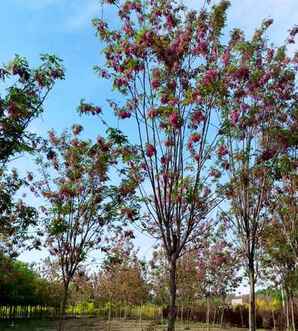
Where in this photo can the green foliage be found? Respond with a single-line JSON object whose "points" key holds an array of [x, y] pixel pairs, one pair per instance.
{"points": [[21, 286]]}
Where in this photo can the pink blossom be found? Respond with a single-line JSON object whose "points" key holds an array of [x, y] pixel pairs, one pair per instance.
{"points": [[124, 114], [195, 137], [164, 99], [150, 150], [120, 82], [226, 57], [210, 76], [128, 29], [215, 173], [152, 112], [170, 21], [235, 117], [197, 117], [201, 48], [175, 120], [222, 150], [155, 83], [164, 160], [197, 157], [242, 73]]}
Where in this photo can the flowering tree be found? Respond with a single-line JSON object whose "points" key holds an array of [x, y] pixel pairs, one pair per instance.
{"points": [[205, 272], [80, 201], [21, 101], [15, 216], [165, 60], [257, 109]]}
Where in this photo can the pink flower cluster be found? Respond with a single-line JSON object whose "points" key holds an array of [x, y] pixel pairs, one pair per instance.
{"points": [[150, 150], [175, 120], [210, 77]]}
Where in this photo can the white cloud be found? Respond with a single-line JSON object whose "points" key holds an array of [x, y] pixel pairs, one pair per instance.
{"points": [[248, 15], [82, 14]]}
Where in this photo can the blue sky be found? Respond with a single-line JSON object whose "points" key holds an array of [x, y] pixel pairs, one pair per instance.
{"points": [[62, 27]]}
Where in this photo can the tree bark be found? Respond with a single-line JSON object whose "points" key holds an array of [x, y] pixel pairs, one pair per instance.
{"points": [[273, 319], [208, 311], [292, 312], [287, 315], [173, 289], [252, 295], [63, 307], [222, 317]]}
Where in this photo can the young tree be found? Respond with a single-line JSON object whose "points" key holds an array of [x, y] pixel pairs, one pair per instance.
{"points": [[80, 200], [261, 92], [187, 282], [21, 101], [15, 216], [159, 278], [217, 265], [165, 61], [281, 242], [279, 266], [122, 277]]}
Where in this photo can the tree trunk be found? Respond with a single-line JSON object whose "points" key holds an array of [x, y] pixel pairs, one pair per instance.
{"points": [[222, 317], [214, 316], [208, 311], [173, 288], [292, 312], [285, 306], [287, 315], [273, 319], [252, 295], [63, 306], [141, 309], [223, 311], [287, 301], [181, 318]]}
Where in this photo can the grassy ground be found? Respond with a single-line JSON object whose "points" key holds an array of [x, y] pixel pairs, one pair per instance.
{"points": [[92, 324]]}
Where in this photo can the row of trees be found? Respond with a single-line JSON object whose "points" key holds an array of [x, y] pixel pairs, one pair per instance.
{"points": [[216, 124], [22, 286], [126, 287]]}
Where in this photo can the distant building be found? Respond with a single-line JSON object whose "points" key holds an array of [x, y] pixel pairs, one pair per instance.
{"points": [[239, 300]]}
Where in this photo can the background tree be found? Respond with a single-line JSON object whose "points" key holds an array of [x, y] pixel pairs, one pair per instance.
{"points": [[26, 90], [80, 200], [279, 267], [280, 243], [217, 265], [22, 287], [21, 101], [260, 94], [16, 216], [158, 277], [121, 279], [165, 61]]}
